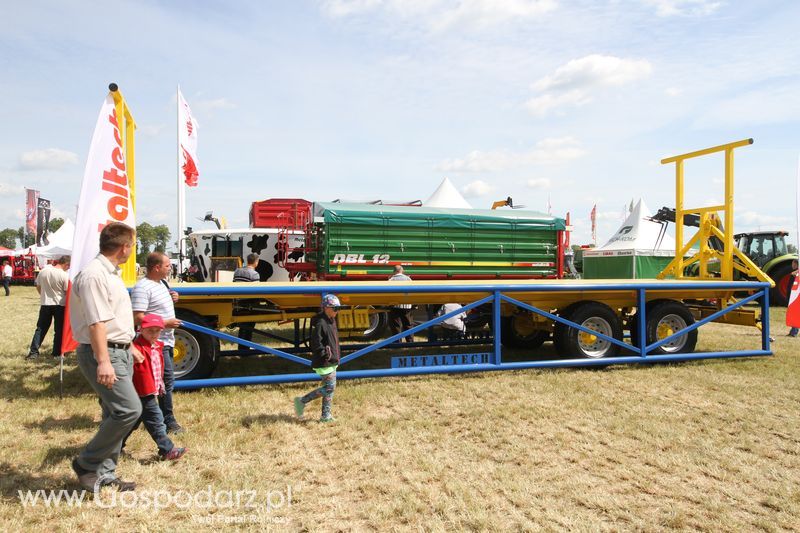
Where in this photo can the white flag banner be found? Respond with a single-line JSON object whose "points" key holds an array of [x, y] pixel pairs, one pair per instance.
{"points": [[105, 191], [187, 138]]}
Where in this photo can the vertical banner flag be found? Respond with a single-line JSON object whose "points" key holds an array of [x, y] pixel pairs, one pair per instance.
{"points": [[593, 217], [42, 222], [793, 309], [105, 196], [31, 203], [187, 139]]}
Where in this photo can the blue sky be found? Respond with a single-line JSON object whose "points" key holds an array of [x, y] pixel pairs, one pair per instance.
{"points": [[366, 99]]}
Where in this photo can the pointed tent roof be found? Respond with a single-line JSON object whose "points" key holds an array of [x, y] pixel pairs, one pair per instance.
{"points": [[639, 234], [60, 241], [446, 195]]}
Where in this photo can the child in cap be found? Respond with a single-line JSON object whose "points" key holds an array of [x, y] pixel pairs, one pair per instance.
{"points": [[324, 357], [148, 379]]}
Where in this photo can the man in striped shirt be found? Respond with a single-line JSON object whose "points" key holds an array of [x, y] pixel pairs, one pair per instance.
{"points": [[151, 295]]}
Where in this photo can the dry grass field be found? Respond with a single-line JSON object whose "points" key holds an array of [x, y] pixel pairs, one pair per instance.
{"points": [[707, 446]]}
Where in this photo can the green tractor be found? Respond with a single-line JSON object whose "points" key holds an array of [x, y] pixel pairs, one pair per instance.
{"points": [[768, 250]]}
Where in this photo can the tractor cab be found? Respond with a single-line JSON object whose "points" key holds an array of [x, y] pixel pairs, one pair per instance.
{"points": [[763, 246]]}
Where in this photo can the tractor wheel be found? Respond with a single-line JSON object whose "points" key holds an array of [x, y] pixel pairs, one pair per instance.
{"points": [[196, 354], [666, 318], [782, 276], [518, 331], [594, 316]]}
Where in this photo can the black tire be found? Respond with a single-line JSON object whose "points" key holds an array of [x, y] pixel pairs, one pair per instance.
{"points": [[666, 318], [514, 335], [196, 354], [593, 315], [377, 327], [781, 275]]}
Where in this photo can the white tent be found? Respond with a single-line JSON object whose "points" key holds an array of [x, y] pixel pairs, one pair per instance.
{"points": [[640, 248], [446, 195], [60, 242]]}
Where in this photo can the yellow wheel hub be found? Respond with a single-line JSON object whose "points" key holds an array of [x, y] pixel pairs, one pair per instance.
{"points": [[179, 352], [587, 338], [664, 331]]}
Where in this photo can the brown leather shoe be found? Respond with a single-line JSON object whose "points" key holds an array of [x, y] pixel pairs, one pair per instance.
{"points": [[86, 478], [121, 486]]}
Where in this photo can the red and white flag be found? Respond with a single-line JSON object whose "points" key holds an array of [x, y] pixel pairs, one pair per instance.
{"points": [[187, 138], [105, 197], [793, 309], [593, 217]]}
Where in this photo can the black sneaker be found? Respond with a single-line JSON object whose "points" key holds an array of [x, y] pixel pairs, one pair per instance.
{"points": [[175, 429], [32, 356]]}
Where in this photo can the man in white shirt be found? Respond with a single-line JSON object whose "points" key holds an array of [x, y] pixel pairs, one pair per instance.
{"points": [[51, 284], [8, 273], [102, 323], [151, 295]]}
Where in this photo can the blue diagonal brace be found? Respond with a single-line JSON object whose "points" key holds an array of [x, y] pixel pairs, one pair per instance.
{"points": [[424, 325], [253, 345]]}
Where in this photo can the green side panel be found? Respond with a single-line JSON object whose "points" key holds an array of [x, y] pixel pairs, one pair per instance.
{"points": [[436, 242], [617, 267], [648, 267]]}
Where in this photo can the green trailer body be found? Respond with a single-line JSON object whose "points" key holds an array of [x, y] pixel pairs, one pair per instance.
{"points": [[363, 241]]}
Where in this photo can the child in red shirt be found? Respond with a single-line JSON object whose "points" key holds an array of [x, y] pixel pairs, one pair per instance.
{"points": [[148, 379]]}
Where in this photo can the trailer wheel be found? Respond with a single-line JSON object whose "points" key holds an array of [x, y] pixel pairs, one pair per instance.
{"points": [[196, 354], [781, 275], [517, 331], [377, 326], [594, 316], [666, 318]]}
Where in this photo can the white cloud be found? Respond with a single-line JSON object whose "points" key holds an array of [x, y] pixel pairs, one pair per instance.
{"points": [[539, 183], [9, 189], [477, 188], [47, 159], [573, 83], [214, 104], [441, 15], [671, 8], [756, 219], [673, 91], [546, 151]]}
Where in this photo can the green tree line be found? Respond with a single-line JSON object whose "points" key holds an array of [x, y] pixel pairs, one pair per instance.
{"points": [[149, 238]]}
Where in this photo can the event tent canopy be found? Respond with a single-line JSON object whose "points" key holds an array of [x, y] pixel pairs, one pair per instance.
{"points": [[60, 242], [640, 248], [446, 195]]}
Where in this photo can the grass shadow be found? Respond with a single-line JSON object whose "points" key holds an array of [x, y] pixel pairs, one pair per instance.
{"points": [[63, 424], [58, 454], [251, 420], [13, 479]]}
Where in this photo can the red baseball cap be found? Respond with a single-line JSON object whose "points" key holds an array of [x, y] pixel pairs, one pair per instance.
{"points": [[152, 321]]}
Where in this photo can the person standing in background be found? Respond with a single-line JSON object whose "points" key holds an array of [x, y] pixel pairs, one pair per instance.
{"points": [[8, 273], [400, 315], [247, 274], [51, 284]]}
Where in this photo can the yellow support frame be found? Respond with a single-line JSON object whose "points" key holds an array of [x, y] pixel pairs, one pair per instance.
{"points": [[710, 226], [127, 127]]}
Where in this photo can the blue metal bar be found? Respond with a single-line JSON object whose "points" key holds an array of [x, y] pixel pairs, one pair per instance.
{"points": [[496, 322], [402, 334], [704, 321], [641, 324], [389, 372], [231, 338], [569, 323], [393, 288]]}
